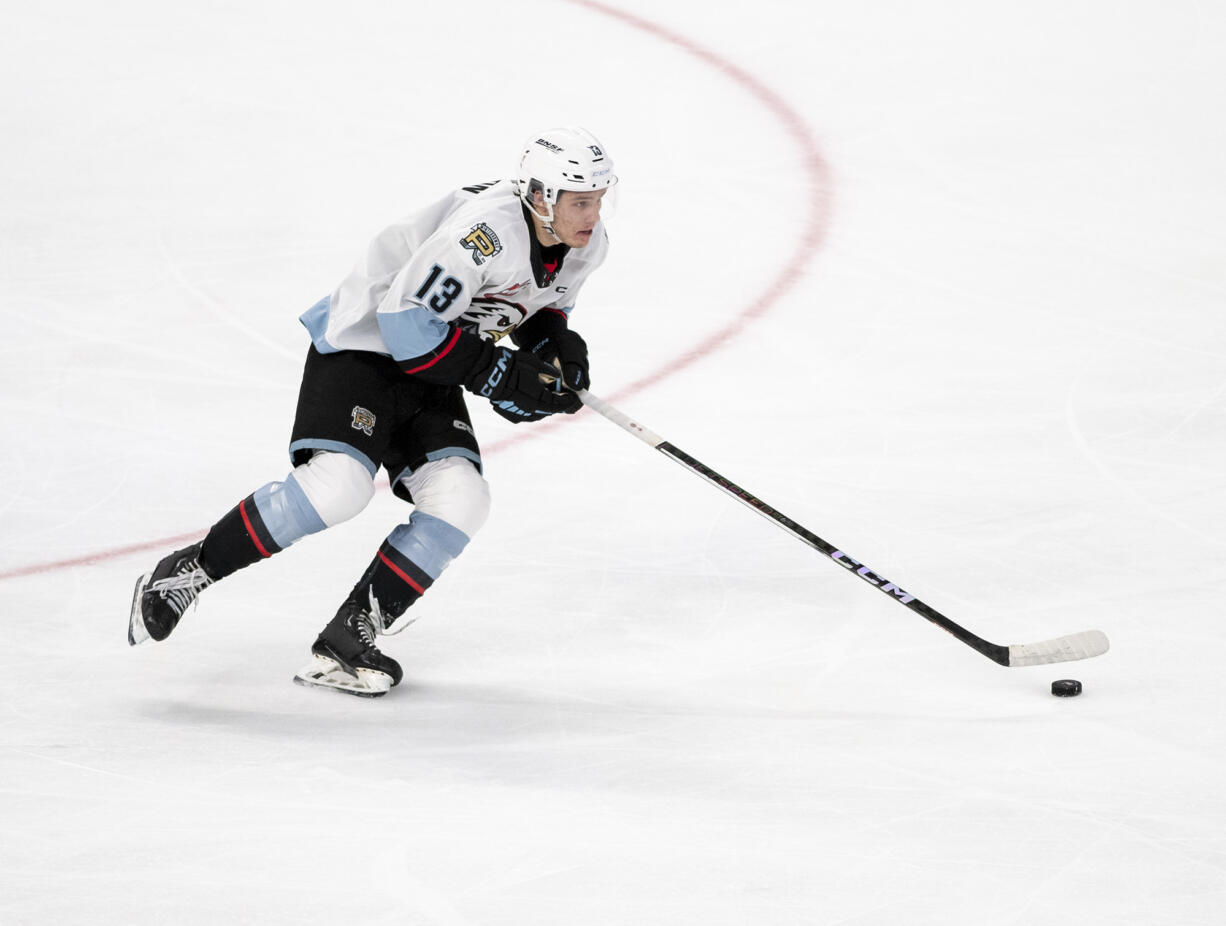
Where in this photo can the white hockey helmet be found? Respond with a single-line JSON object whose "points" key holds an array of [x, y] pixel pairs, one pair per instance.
{"points": [[567, 159]]}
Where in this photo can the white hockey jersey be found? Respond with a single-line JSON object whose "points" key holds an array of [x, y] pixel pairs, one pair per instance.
{"points": [[466, 263]]}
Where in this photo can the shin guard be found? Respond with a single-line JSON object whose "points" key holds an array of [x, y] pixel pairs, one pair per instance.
{"points": [[395, 582], [239, 539]]}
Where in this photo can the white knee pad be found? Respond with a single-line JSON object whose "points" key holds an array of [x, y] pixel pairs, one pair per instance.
{"points": [[451, 490], [336, 485]]}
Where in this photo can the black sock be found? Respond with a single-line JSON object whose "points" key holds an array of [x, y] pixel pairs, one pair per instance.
{"points": [[236, 541], [396, 581]]}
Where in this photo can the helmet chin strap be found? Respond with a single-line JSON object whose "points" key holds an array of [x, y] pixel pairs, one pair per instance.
{"points": [[547, 220]]}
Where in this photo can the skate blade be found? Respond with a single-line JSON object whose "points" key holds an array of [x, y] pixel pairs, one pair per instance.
{"points": [[137, 632], [328, 673]]}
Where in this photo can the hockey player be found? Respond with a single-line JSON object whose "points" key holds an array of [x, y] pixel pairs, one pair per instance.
{"points": [[420, 319]]}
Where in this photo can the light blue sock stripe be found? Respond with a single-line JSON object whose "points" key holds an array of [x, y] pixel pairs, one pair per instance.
{"points": [[429, 542], [287, 512]]}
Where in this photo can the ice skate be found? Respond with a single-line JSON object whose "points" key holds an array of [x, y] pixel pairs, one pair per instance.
{"points": [[346, 658], [162, 596]]}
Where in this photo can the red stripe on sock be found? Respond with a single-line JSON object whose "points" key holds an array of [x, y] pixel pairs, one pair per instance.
{"points": [[242, 509], [400, 572]]}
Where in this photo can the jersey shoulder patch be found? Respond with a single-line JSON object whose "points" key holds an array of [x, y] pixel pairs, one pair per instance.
{"points": [[481, 242]]}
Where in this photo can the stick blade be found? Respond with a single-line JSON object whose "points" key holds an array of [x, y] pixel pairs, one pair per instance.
{"points": [[1084, 645]]}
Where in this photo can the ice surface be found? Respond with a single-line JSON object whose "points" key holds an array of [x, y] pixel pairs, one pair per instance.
{"points": [[944, 283]]}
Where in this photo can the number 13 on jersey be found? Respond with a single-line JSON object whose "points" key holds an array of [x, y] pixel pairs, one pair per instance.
{"points": [[442, 293]]}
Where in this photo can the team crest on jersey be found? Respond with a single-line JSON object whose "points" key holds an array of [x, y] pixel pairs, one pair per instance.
{"points": [[490, 318], [482, 242], [363, 420]]}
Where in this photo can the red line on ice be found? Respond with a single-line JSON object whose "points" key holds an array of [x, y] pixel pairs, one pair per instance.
{"points": [[88, 559], [816, 224]]}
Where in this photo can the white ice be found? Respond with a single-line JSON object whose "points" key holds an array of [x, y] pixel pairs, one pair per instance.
{"points": [[943, 282]]}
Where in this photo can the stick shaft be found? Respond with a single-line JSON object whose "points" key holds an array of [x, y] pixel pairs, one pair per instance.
{"points": [[1089, 643]]}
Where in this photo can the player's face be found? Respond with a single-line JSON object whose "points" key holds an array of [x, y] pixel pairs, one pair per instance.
{"points": [[575, 216]]}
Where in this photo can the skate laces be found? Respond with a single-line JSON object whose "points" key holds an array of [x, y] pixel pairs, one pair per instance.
{"points": [[183, 586], [383, 623], [379, 621], [364, 627], [368, 624]]}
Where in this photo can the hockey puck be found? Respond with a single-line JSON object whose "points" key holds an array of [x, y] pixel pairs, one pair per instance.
{"points": [[1066, 688]]}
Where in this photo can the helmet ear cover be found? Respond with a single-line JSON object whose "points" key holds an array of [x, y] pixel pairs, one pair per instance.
{"points": [[535, 186]]}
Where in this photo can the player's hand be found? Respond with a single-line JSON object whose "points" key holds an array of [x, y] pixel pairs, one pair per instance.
{"points": [[517, 383], [568, 352]]}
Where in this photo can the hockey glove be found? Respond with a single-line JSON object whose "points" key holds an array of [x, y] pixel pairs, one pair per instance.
{"points": [[568, 352], [516, 383], [546, 334], [516, 415]]}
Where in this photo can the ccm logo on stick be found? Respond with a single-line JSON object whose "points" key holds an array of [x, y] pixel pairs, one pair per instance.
{"points": [[871, 577]]}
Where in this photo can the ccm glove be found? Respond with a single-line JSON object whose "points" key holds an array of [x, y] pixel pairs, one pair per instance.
{"points": [[517, 385], [568, 352], [547, 335]]}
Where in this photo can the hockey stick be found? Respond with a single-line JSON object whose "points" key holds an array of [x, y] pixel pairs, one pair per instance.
{"points": [[1061, 649]]}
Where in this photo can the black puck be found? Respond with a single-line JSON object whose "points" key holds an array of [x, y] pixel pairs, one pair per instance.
{"points": [[1066, 688]]}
